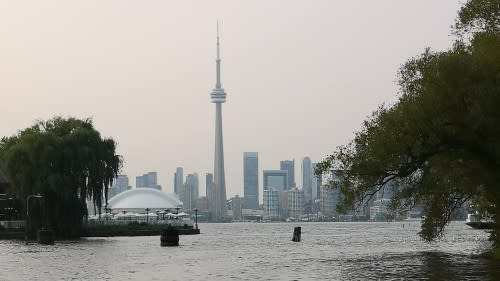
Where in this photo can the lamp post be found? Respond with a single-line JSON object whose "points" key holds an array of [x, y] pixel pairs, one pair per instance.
{"points": [[28, 213], [196, 218], [167, 211], [147, 215]]}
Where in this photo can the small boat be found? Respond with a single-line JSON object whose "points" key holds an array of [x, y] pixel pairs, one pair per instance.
{"points": [[479, 222]]}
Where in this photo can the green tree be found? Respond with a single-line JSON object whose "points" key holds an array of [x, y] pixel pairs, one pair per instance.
{"points": [[440, 140], [65, 160]]}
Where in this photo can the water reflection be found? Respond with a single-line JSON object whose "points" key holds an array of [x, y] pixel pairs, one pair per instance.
{"points": [[429, 265]]}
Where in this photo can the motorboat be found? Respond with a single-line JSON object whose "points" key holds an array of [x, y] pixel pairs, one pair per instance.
{"points": [[477, 221]]}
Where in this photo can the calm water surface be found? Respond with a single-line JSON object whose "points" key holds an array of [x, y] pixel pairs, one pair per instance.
{"points": [[251, 251]]}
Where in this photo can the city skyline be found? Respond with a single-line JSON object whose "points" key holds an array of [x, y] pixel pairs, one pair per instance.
{"points": [[296, 79], [255, 177]]}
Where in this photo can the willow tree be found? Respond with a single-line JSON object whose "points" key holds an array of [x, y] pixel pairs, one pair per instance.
{"points": [[440, 140], [65, 160]]}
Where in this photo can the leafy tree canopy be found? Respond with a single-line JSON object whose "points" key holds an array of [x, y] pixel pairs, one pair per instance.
{"points": [[440, 140], [65, 160]]}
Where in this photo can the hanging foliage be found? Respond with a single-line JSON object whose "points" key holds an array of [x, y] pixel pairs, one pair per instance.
{"points": [[67, 162]]}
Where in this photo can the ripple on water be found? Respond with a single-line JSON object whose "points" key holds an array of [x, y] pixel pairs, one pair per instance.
{"points": [[329, 251]]}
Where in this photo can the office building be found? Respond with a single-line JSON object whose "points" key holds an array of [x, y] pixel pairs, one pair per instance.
{"points": [[295, 203], [276, 179], [178, 180], [209, 191], [191, 191], [316, 183], [307, 179], [271, 204], [236, 207], [148, 180], [251, 180], [289, 166], [120, 185], [329, 199]]}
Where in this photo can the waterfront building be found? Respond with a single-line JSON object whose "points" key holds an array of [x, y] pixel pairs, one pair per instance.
{"points": [[307, 179], [148, 180], [295, 203], [251, 180], [277, 179], [236, 207], [252, 215], [379, 210], [289, 166], [283, 210], [202, 204], [178, 180], [329, 200], [218, 96], [271, 204]]}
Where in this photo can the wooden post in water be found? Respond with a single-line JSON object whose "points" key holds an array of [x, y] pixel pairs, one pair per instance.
{"points": [[296, 234], [45, 236], [169, 237]]}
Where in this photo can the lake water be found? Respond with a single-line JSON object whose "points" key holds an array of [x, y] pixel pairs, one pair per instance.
{"points": [[261, 251]]}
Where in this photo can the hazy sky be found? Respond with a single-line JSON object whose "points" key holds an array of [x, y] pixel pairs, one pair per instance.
{"points": [[300, 75]]}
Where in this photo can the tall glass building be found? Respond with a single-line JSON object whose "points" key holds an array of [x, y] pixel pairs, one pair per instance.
{"points": [[307, 179], [289, 166], [251, 180], [276, 179], [178, 180]]}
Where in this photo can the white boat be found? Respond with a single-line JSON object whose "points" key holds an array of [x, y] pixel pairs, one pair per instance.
{"points": [[478, 221]]}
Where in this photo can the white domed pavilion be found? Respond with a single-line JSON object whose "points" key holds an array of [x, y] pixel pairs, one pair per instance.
{"points": [[138, 199]]}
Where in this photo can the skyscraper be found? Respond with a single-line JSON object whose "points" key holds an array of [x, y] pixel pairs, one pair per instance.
{"points": [[194, 182], [251, 180], [218, 97], [276, 179], [295, 203], [209, 182], [190, 192], [178, 180], [120, 185], [209, 185], [147, 180], [289, 165], [316, 183], [307, 179], [236, 208], [271, 204]]}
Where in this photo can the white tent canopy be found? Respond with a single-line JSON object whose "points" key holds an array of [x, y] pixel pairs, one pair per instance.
{"points": [[141, 198]]}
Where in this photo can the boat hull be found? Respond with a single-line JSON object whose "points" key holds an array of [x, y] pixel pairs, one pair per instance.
{"points": [[480, 225]]}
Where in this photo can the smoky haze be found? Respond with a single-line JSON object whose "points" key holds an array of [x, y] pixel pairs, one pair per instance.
{"points": [[300, 75]]}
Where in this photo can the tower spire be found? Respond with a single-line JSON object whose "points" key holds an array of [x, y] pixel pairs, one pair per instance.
{"points": [[218, 53], [218, 83]]}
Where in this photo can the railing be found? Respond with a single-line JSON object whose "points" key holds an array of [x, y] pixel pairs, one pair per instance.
{"points": [[122, 221], [13, 224]]}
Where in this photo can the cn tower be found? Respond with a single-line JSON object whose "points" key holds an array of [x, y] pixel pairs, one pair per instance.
{"points": [[218, 96]]}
